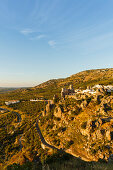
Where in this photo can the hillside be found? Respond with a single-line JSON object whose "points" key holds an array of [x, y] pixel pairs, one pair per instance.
{"points": [[51, 87], [83, 128], [89, 77], [55, 132]]}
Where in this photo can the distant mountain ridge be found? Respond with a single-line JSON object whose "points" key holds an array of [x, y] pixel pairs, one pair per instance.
{"points": [[6, 89]]}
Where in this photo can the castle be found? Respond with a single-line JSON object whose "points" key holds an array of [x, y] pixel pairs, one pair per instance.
{"points": [[68, 91]]}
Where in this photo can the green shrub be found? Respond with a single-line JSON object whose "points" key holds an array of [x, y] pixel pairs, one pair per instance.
{"points": [[84, 124]]}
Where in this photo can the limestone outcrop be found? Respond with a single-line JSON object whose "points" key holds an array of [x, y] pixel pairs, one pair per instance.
{"points": [[84, 104], [58, 112], [49, 106]]}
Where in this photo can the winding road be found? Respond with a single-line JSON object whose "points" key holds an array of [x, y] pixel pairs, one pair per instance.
{"points": [[53, 147], [19, 117], [43, 140], [19, 120], [20, 143]]}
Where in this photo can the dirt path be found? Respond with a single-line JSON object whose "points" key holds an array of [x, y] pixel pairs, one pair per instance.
{"points": [[20, 143], [19, 117], [42, 138], [53, 147], [19, 120]]}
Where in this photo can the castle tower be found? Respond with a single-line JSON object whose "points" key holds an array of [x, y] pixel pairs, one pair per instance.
{"points": [[62, 92], [71, 89]]}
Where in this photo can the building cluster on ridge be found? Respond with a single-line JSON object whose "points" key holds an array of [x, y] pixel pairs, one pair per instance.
{"points": [[71, 92]]}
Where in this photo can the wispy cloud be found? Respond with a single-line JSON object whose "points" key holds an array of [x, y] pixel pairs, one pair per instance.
{"points": [[52, 43], [41, 36], [26, 31]]}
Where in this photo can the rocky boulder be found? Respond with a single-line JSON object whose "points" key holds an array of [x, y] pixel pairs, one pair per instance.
{"points": [[98, 134], [108, 135], [84, 104], [70, 112], [58, 112], [43, 113], [48, 107]]}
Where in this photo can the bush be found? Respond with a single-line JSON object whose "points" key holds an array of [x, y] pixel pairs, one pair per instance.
{"points": [[56, 142], [68, 144], [84, 124]]}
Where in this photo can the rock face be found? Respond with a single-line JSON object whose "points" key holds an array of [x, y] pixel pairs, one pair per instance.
{"points": [[98, 123], [70, 112], [43, 113], [84, 104], [100, 154], [58, 112], [48, 107], [93, 130], [108, 135], [97, 98], [98, 134], [102, 90], [89, 119], [86, 130]]}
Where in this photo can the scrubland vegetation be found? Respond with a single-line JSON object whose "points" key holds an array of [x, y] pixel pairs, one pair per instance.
{"points": [[81, 128]]}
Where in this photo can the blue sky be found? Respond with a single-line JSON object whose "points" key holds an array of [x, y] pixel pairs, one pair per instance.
{"points": [[46, 39]]}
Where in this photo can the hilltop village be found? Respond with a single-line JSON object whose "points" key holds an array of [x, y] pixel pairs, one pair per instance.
{"points": [[74, 93], [94, 90]]}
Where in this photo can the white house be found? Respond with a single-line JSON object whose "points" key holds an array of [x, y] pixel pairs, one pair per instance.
{"points": [[12, 102]]}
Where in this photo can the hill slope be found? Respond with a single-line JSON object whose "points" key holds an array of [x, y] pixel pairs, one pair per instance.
{"points": [[83, 78], [81, 127], [51, 87]]}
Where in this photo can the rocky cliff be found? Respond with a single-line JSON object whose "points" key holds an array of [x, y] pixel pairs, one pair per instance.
{"points": [[83, 127]]}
